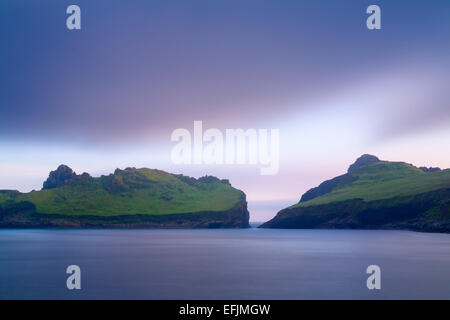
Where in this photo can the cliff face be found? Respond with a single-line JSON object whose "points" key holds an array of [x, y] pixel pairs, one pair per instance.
{"points": [[421, 212], [374, 194], [24, 215], [130, 198]]}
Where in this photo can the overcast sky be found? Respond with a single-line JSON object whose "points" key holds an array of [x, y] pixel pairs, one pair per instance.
{"points": [[111, 94]]}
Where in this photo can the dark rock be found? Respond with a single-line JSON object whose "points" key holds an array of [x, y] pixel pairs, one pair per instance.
{"points": [[405, 212], [327, 186], [60, 177], [24, 215], [16, 213], [208, 179], [362, 161], [430, 169], [115, 184]]}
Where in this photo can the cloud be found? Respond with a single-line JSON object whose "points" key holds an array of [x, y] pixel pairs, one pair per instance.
{"points": [[159, 67]]}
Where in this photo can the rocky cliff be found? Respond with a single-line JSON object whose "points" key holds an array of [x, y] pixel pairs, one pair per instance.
{"points": [[129, 198], [374, 194]]}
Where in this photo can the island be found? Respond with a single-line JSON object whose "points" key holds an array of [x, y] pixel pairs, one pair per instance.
{"points": [[374, 194], [129, 198]]}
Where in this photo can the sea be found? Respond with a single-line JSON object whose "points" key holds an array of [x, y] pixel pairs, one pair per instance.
{"points": [[224, 264]]}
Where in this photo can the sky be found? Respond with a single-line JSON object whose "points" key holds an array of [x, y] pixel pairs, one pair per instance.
{"points": [[110, 95]]}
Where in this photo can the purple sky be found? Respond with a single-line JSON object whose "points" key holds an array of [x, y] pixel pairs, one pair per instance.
{"points": [[111, 94]]}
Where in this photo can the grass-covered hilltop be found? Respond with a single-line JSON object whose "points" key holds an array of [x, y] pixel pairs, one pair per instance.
{"points": [[374, 194], [130, 198]]}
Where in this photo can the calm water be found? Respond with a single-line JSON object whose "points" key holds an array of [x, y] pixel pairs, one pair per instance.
{"points": [[223, 264]]}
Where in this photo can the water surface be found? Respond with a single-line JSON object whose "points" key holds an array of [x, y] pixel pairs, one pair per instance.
{"points": [[223, 264]]}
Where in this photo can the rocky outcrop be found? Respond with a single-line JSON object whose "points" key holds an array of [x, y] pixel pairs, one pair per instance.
{"points": [[421, 212], [374, 194], [60, 177], [327, 186], [130, 198], [430, 169], [362, 161]]}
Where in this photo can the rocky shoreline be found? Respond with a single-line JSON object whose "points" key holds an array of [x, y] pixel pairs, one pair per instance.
{"points": [[400, 213], [24, 216]]}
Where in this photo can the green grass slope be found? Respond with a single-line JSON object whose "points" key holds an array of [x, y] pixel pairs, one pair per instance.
{"points": [[374, 194], [382, 180], [127, 192]]}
